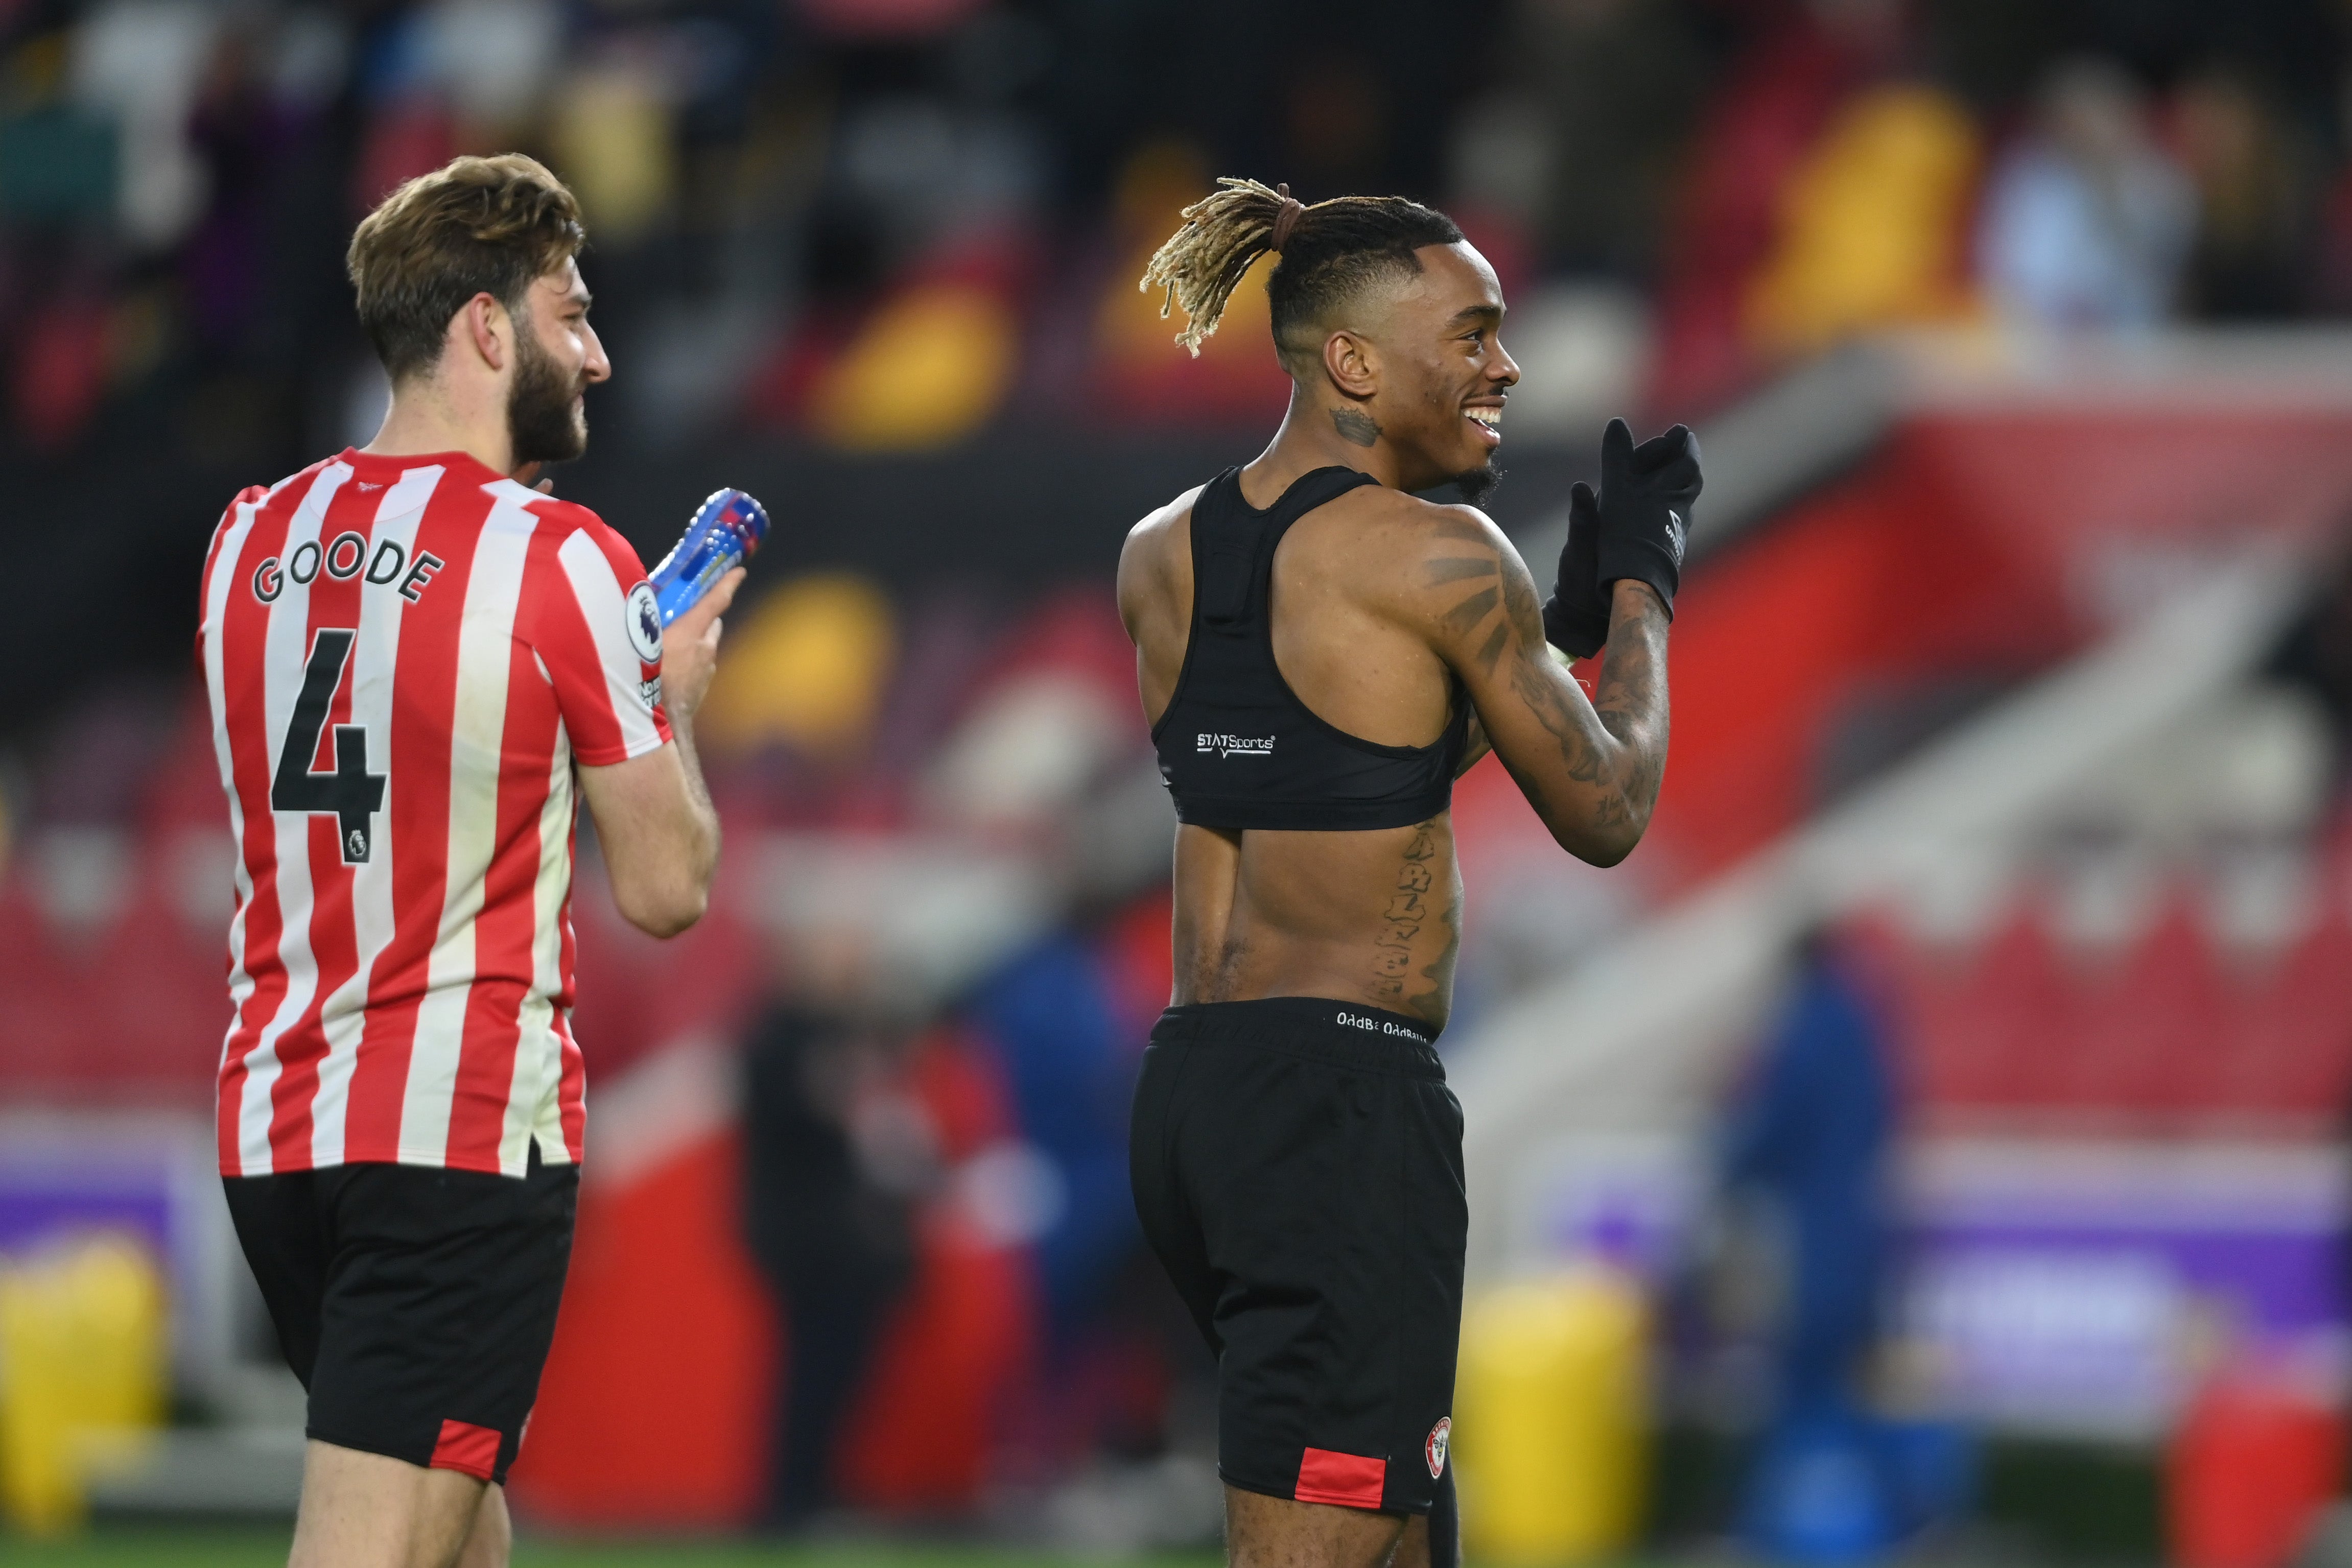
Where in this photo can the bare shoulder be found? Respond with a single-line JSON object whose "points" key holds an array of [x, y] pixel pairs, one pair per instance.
{"points": [[1160, 529], [1445, 573], [1390, 545], [1154, 566], [1374, 513]]}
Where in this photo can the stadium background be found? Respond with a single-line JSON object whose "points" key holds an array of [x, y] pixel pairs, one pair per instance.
{"points": [[1932, 1140]]}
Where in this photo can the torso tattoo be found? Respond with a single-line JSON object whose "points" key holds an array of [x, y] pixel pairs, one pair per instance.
{"points": [[1423, 894]]}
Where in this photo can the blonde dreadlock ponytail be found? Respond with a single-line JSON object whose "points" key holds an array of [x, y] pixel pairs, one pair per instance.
{"points": [[1224, 235], [1352, 241]]}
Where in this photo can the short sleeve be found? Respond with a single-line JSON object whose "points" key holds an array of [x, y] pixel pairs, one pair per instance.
{"points": [[598, 636], [251, 496]]}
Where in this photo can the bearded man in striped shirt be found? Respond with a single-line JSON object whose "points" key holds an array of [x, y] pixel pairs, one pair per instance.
{"points": [[418, 663]]}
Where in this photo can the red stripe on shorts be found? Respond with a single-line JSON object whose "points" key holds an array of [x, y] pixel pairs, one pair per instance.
{"points": [[468, 1448], [1351, 1481]]}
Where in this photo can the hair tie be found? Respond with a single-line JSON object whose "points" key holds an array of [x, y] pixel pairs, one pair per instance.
{"points": [[1286, 219]]}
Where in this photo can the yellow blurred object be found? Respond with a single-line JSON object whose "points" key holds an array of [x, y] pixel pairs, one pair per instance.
{"points": [[1158, 184], [807, 668], [613, 141], [1130, 325], [83, 1365], [1552, 1418], [930, 367], [1874, 227]]}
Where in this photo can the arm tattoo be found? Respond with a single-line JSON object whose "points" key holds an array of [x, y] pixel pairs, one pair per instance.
{"points": [[1520, 605], [1454, 568], [1493, 647], [1448, 527], [1540, 689], [1538, 685], [1631, 699], [1515, 594], [1470, 613], [1613, 750], [1354, 425]]}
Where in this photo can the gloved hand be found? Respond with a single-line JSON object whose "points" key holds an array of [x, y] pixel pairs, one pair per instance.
{"points": [[1576, 616], [1646, 493]]}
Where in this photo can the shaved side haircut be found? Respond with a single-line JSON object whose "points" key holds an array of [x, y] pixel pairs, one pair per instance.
{"points": [[1333, 249]]}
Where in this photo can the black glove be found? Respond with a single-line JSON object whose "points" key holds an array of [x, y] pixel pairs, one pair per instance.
{"points": [[1576, 616], [1646, 493]]}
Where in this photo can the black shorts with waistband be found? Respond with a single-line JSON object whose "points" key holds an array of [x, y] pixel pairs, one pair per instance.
{"points": [[416, 1304], [1297, 1167]]}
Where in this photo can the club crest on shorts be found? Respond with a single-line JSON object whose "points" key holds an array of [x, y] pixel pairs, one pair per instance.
{"points": [[644, 623], [1435, 1450]]}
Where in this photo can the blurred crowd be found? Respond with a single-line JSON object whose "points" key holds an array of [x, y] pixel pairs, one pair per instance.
{"points": [[881, 227], [920, 994], [884, 224]]}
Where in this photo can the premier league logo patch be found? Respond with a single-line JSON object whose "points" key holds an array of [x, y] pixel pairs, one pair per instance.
{"points": [[644, 623], [1435, 1450]]}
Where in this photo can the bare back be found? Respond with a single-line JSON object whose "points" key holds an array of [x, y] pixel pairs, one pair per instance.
{"points": [[1369, 915]]}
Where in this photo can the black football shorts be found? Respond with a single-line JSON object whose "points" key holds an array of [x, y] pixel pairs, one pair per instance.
{"points": [[416, 1304], [1297, 1167]]}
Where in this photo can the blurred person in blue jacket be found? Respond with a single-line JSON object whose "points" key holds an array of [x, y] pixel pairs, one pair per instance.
{"points": [[1812, 1135], [2087, 222], [1053, 1018], [1832, 1482]]}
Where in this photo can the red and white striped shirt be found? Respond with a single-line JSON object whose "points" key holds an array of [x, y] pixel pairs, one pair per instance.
{"points": [[406, 656]]}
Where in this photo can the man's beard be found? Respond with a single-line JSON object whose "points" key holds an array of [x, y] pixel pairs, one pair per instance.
{"points": [[541, 423], [1478, 483]]}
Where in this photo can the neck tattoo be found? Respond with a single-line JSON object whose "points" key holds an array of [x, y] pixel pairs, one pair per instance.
{"points": [[1354, 425]]}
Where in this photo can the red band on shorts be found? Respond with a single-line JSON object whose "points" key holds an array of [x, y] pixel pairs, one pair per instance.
{"points": [[466, 1446], [1350, 1480]]}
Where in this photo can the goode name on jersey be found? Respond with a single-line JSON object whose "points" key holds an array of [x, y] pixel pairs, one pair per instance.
{"points": [[405, 657]]}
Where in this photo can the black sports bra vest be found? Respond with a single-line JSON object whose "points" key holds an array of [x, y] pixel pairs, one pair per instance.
{"points": [[1236, 746]]}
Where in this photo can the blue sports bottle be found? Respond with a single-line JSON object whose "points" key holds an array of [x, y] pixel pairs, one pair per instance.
{"points": [[726, 532]]}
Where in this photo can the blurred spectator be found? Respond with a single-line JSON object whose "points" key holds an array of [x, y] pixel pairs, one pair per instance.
{"points": [[1611, 88], [1070, 1064], [612, 126], [60, 159], [1812, 1141], [2250, 187], [1812, 1135], [2087, 223], [60, 370], [863, 223], [1762, 121], [236, 130], [141, 65], [832, 1166]]}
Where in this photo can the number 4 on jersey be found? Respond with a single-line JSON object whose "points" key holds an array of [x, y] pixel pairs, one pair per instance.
{"points": [[351, 792]]}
